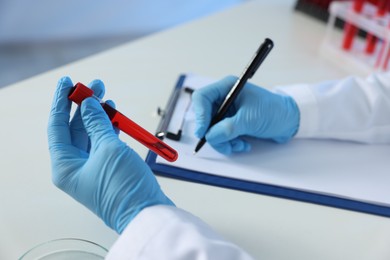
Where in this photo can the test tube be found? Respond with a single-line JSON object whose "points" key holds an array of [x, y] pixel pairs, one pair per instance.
{"points": [[80, 92], [349, 29]]}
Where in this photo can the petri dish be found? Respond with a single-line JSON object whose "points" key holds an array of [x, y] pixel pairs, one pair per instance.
{"points": [[66, 249]]}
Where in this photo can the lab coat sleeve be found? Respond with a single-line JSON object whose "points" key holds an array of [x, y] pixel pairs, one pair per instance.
{"points": [[167, 232], [352, 109]]}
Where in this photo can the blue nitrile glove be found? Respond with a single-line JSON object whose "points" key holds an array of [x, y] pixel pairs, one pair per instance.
{"points": [[256, 112], [91, 163]]}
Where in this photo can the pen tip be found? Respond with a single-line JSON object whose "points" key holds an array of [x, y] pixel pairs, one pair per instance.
{"points": [[194, 153]]}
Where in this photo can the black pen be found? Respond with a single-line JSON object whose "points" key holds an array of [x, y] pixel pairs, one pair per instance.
{"points": [[249, 71]]}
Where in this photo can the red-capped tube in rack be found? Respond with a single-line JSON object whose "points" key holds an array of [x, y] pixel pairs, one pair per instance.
{"points": [[349, 29], [81, 92]]}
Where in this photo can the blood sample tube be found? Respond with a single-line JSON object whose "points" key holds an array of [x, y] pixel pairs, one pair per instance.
{"points": [[81, 92]]}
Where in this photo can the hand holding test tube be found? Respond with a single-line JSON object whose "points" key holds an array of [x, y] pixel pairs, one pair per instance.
{"points": [[81, 92]]}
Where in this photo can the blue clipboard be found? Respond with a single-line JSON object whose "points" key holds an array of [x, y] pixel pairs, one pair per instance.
{"points": [[247, 186]]}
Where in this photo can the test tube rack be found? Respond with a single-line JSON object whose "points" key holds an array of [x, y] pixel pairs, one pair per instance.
{"points": [[356, 59]]}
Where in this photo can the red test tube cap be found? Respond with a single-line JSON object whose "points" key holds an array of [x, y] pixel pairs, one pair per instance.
{"points": [[79, 93]]}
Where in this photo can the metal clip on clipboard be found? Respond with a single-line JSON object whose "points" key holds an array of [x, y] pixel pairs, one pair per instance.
{"points": [[167, 113]]}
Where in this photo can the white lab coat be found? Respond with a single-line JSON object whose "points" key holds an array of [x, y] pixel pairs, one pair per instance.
{"points": [[352, 109]]}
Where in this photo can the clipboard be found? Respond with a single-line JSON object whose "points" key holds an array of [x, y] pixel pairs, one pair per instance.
{"points": [[341, 201]]}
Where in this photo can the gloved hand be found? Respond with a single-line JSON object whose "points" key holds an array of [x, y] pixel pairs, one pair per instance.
{"points": [[256, 112], [91, 163]]}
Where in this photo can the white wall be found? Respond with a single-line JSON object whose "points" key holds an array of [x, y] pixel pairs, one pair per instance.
{"points": [[47, 20]]}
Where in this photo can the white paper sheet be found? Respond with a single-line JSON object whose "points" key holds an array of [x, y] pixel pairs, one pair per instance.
{"points": [[342, 169]]}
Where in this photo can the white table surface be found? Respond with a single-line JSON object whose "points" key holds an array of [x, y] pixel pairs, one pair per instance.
{"points": [[139, 77]]}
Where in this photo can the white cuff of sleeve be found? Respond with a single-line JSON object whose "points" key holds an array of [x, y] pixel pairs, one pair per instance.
{"points": [[142, 229], [308, 108], [162, 231]]}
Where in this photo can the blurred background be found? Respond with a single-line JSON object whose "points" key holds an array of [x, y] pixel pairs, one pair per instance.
{"points": [[36, 36]]}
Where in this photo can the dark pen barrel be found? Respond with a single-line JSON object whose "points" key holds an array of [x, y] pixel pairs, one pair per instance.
{"points": [[261, 54]]}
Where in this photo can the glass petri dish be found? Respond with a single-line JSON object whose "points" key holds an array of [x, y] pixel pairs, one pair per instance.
{"points": [[64, 249]]}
